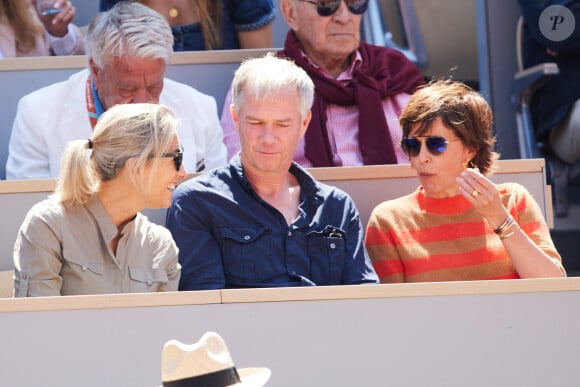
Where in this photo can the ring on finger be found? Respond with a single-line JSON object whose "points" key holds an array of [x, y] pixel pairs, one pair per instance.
{"points": [[474, 193]]}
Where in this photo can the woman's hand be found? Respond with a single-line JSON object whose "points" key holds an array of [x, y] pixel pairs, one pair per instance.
{"points": [[529, 260], [484, 196], [57, 24]]}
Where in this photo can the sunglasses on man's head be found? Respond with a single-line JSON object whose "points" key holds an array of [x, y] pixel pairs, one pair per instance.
{"points": [[177, 157], [328, 7], [435, 145]]}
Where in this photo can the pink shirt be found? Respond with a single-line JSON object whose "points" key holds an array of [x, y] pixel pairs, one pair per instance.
{"points": [[342, 125]]}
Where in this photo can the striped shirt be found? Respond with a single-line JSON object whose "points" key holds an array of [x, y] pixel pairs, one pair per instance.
{"points": [[420, 239]]}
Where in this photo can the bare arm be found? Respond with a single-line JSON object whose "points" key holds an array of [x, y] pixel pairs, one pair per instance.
{"points": [[530, 258], [261, 38]]}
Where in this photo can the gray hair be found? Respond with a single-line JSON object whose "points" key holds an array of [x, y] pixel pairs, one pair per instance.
{"points": [[268, 76], [141, 131], [129, 29]]}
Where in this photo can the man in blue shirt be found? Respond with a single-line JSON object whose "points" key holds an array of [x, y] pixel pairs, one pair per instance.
{"points": [[262, 220]]}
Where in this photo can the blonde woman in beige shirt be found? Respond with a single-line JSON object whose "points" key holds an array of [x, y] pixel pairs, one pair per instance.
{"points": [[89, 236]]}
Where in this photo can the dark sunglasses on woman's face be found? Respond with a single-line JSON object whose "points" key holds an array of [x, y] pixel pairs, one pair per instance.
{"points": [[435, 145], [328, 7], [177, 157]]}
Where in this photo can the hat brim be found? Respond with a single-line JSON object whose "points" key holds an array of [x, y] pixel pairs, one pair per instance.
{"points": [[254, 376]]}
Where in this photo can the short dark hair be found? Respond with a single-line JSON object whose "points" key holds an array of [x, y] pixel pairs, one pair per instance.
{"points": [[462, 110]]}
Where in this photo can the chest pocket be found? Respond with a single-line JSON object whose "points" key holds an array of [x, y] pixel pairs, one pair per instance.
{"points": [[82, 274], [80, 261], [81, 266], [247, 254], [148, 279], [327, 255]]}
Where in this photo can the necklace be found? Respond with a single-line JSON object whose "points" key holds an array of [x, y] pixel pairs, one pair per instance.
{"points": [[173, 12]]}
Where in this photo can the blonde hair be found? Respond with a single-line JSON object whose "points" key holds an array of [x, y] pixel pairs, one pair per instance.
{"points": [[19, 15], [462, 110], [210, 15], [141, 131]]}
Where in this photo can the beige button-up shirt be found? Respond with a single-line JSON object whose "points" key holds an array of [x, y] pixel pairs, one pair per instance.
{"points": [[65, 251]]}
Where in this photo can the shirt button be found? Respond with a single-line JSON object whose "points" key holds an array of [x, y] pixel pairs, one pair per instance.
{"points": [[289, 233], [84, 268], [332, 246], [247, 237]]}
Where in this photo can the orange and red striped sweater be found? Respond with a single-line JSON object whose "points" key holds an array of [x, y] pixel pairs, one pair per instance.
{"points": [[420, 239]]}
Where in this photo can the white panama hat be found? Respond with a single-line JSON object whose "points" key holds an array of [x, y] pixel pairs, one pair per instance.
{"points": [[206, 363]]}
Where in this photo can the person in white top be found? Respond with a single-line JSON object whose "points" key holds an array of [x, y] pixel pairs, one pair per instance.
{"points": [[128, 49]]}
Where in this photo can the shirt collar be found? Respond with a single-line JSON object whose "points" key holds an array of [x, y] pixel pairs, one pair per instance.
{"points": [[346, 75], [108, 228], [442, 206], [308, 187]]}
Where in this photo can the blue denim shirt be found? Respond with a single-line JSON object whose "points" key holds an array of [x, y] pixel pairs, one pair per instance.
{"points": [[228, 237]]}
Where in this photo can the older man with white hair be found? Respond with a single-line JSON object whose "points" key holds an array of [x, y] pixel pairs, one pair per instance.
{"points": [[128, 47]]}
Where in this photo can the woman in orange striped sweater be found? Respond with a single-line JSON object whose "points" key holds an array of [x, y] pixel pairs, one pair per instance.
{"points": [[457, 225]]}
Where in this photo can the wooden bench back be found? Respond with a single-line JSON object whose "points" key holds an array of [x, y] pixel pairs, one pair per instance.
{"points": [[368, 186]]}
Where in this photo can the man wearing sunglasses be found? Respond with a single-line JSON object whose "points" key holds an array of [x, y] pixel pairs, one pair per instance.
{"points": [[262, 220], [360, 88], [128, 49]]}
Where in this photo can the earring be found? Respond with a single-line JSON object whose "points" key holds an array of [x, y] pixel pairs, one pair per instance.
{"points": [[472, 164]]}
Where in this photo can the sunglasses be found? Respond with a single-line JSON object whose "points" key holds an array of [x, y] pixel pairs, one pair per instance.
{"points": [[435, 145], [328, 7], [177, 157]]}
